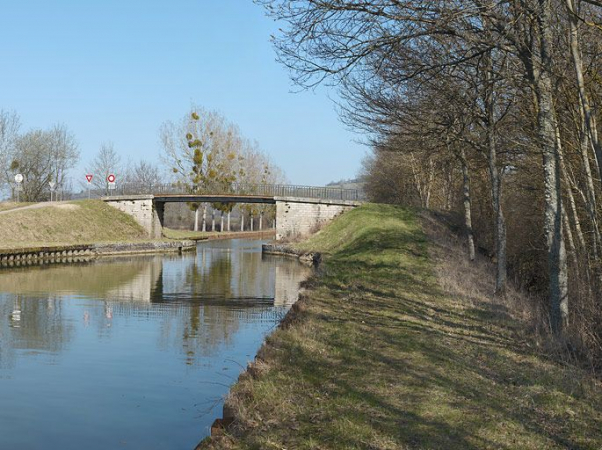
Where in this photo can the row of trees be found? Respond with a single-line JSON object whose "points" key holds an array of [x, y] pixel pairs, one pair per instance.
{"points": [[45, 156], [488, 107]]}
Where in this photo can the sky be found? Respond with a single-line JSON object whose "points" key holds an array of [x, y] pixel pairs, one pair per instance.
{"points": [[115, 70]]}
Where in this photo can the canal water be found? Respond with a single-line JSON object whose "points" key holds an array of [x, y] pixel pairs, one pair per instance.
{"points": [[133, 352]]}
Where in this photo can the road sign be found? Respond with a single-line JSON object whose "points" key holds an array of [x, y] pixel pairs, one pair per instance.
{"points": [[111, 178], [89, 178], [52, 184], [19, 178], [112, 185]]}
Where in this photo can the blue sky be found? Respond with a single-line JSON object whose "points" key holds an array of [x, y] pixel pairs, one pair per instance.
{"points": [[114, 70]]}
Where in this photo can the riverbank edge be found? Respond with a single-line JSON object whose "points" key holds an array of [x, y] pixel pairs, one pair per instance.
{"points": [[309, 258], [219, 236], [66, 253], [50, 252]]}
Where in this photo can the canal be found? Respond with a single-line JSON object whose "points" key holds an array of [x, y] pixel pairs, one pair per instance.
{"points": [[133, 352]]}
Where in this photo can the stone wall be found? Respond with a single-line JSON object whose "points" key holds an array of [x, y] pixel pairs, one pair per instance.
{"points": [[142, 209], [298, 217]]}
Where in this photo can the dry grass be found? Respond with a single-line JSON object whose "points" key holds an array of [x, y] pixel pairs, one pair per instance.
{"points": [[399, 345], [88, 221], [5, 206]]}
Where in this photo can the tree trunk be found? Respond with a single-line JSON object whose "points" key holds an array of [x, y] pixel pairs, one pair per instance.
{"points": [[467, 205], [590, 197], [546, 128], [570, 196], [221, 227], [204, 218], [499, 224], [228, 220], [578, 65], [196, 218], [589, 125]]}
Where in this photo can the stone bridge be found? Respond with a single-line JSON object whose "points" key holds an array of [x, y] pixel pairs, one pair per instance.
{"points": [[295, 216]]}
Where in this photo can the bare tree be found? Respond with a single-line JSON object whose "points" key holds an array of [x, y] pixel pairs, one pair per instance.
{"points": [[9, 132], [144, 175], [64, 153], [107, 161]]}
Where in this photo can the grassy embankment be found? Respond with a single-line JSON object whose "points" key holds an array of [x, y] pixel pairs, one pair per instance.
{"points": [[397, 345], [81, 222]]}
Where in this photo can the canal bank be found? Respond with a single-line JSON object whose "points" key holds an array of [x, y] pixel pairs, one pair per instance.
{"points": [[396, 343], [70, 231]]}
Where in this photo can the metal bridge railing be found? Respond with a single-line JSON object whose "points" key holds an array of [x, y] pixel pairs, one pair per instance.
{"points": [[268, 190]]}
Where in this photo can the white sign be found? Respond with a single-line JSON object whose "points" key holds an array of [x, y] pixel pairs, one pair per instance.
{"points": [[19, 178], [111, 185], [52, 184], [111, 178]]}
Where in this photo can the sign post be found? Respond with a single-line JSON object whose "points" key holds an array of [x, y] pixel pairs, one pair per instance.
{"points": [[89, 179], [52, 185], [18, 180], [111, 181]]}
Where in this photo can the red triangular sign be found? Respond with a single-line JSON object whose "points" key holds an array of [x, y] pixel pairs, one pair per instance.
{"points": [[89, 178]]}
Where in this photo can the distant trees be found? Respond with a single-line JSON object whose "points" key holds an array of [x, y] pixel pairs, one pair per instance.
{"points": [[41, 156], [144, 175]]}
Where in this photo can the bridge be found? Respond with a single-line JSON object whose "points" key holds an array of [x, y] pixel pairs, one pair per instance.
{"points": [[298, 212]]}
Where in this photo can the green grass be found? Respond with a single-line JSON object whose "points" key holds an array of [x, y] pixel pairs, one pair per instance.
{"points": [[81, 222], [170, 233], [379, 356]]}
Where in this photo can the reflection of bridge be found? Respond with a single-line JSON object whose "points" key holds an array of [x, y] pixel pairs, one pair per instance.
{"points": [[295, 214]]}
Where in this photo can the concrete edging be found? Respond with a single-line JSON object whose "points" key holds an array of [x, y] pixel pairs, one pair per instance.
{"points": [[70, 253], [308, 258]]}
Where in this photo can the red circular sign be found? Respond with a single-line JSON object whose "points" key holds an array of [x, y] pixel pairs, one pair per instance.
{"points": [[111, 178]]}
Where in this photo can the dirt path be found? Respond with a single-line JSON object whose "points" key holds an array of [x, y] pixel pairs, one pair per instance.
{"points": [[35, 206]]}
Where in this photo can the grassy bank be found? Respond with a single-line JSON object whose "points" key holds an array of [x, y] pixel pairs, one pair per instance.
{"points": [[170, 233], [397, 345], [78, 222]]}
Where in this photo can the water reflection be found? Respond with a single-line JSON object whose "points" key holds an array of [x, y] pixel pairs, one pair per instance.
{"points": [[134, 324]]}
